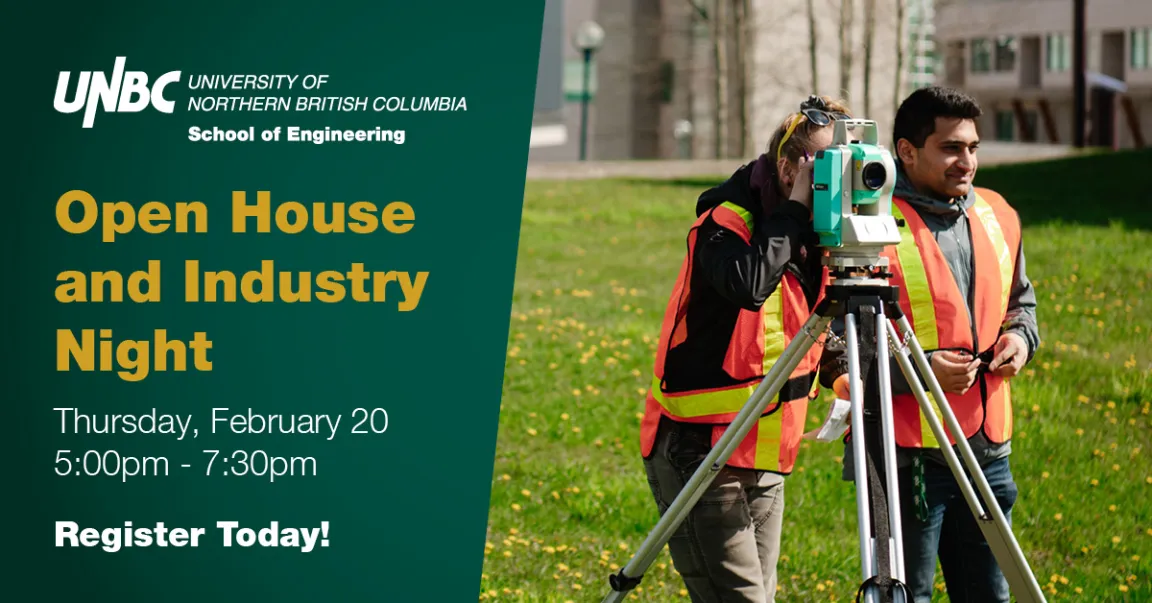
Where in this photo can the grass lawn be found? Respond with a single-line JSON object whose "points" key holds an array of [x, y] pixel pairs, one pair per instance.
{"points": [[570, 503]]}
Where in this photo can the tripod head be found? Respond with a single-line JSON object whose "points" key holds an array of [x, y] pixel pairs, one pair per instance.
{"points": [[852, 182]]}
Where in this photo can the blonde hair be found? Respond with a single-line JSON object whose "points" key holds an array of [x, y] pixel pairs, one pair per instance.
{"points": [[801, 138]]}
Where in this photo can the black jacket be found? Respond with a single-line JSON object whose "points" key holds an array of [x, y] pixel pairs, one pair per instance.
{"points": [[729, 275]]}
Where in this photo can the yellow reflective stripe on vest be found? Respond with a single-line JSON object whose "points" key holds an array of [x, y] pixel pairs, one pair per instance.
{"points": [[1000, 246], [702, 404], [773, 313], [923, 312], [768, 440], [916, 282], [740, 211]]}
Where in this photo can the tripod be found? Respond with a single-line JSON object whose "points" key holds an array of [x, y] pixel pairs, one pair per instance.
{"points": [[863, 303]]}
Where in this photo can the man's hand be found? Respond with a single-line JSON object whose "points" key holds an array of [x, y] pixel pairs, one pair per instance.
{"points": [[956, 372], [840, 387], [1011, 354]]}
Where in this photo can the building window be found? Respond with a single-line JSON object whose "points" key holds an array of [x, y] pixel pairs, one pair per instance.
{"points": [[1006, 53], [1057, 52], [1005, 125], [981, 56], [1142, 48]]}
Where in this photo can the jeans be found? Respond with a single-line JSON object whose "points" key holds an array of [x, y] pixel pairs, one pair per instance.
{"points": [[728, 547], [971, 573]]}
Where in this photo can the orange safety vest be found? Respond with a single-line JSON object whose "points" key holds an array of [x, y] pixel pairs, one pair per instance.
{"points": [[939, 315], [755, 344]]}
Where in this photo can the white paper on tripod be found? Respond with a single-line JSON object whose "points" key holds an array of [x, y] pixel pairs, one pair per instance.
{"points": [[835, 424]]}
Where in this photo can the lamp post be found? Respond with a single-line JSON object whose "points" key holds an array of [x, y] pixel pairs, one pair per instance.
{"points": [[1079, 85], [588, 38]]}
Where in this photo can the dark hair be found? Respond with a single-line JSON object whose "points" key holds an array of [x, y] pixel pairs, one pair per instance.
{"points": [[916, 118]]}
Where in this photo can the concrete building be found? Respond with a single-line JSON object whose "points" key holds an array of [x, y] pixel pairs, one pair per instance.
{"points": [[1015, 57], [654, 84]]}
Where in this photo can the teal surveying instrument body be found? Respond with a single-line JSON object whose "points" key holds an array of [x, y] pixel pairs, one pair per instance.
{"points": [[853, 181]]}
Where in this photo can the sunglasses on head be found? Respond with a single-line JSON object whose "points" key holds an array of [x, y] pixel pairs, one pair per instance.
{"points": [[814, 110]]}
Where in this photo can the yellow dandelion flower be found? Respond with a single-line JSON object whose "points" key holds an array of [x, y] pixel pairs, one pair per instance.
{"points": [[575, 430], [1123, 588], [1035, 408], [1079, 590], [1044, 475], [1058, 516], [507, 553], [683, 592], [526, 492], [1112, 508], [1115, 540], [1115, 467], [516, 506], [531, 431], [1095, 482]]}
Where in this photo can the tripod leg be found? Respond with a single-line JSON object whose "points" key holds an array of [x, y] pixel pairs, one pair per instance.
{"points": [[992, 523], [856, 396], [888, 435], [631, 574]]}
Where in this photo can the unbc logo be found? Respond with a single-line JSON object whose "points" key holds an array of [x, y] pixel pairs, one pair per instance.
{"points": [[126, 92]]}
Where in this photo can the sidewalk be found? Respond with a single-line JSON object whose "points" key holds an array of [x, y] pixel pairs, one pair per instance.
{"points": [[990, 153]]}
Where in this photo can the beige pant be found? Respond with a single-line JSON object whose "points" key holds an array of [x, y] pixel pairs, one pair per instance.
{"points": [[728, 547]]}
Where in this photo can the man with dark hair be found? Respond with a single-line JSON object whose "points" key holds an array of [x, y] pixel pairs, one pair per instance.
{"points": [[960, 270]]}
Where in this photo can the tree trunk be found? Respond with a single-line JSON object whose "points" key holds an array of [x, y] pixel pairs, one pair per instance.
{"points": [[846, 14], [812, 44], [745, 59], [897, 93], [869, 36], [720, 54]]}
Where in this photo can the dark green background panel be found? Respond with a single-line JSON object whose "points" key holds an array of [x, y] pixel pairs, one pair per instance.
{"points": [[408, 508]]}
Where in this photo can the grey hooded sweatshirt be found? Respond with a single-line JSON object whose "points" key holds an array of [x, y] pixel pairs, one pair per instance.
{"points": [[949, 223]]}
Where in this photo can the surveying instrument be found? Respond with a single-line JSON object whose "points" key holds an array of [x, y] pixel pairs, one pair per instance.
{"points": [[853, 181]]}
